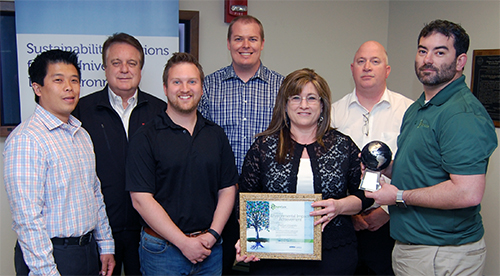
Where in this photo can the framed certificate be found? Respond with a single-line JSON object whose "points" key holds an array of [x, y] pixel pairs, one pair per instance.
{"points": [[485, 83], [278, 226]]}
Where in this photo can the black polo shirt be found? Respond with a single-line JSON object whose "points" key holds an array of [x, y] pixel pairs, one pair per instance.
{"points": [[183, 172]]}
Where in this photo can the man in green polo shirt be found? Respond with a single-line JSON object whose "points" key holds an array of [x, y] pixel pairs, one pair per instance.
{"points": [[438, 174]]}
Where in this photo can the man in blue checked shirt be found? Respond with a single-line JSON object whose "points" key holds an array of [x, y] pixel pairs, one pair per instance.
{"points": [[54, 194], [240, 98]]}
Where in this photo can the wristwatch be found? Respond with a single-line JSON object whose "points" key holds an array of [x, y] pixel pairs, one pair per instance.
{"points": [[399, 199]]}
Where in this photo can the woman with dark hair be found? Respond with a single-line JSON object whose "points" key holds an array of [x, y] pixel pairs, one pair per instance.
{"points": [[301, 153]]}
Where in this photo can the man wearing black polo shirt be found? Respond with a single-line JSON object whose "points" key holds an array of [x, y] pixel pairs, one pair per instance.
{"points": [[181, 176]]}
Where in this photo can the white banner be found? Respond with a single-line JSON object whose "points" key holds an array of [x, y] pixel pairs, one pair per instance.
{"points": [[83, 26]]}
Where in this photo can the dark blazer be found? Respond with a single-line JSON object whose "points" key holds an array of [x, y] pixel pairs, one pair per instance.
{"points": [[110, 145]]}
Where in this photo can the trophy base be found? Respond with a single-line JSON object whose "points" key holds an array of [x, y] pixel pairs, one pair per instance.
{"points": [[370, 181]]}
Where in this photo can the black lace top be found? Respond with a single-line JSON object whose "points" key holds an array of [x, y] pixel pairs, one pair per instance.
{"points": [[336, 173]]}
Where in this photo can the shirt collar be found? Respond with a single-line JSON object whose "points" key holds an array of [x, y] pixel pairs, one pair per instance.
{"points": [[168, 123], [444, 94], [52, 122], [116, 100], [385, 99], [262, 73]]}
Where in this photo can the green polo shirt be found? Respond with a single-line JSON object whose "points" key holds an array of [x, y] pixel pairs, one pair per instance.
{"points": [[451, 134]]}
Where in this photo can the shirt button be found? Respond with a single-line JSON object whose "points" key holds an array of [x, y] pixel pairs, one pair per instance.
{"points": [[184, 131], [244, 119]]}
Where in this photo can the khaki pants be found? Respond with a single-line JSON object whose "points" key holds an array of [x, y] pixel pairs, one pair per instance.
{"points": [[413, 260]]}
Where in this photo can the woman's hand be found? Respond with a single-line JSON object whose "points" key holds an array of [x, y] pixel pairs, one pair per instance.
{"points": [[329, 211], [349, 205], [244, 258]]}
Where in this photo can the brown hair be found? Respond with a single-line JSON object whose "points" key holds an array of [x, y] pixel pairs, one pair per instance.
{"points": [[122, 38], [181, 58], [293, 85], [245, 19]]}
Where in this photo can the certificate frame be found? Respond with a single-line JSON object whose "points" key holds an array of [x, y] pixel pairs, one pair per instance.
{"points": [[287, 199]]}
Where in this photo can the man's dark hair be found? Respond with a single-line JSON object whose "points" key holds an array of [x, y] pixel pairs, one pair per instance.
{"points": [[39, 66], [448, 29], [245, 19], [122, 38], [181, 58]]}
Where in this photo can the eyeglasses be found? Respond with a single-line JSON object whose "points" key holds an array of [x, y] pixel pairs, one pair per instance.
{"points": [[366, 125], [311, 99]]}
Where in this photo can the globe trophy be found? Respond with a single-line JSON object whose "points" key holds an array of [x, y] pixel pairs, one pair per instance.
{"points": [[376, 156]]}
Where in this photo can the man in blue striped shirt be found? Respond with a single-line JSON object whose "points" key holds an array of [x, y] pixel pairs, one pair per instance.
{"points": [[240, 98], [54, 194]]}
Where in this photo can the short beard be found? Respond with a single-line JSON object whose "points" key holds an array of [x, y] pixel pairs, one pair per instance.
{"points": [[443, 75], [182, 110]]}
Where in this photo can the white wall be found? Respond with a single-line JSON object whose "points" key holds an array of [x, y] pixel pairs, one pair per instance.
{"points": [[481, 20], [8, 237], [324, 35]]}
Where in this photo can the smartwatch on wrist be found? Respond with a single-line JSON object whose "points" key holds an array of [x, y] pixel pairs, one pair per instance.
{"points": [[399, 199]]}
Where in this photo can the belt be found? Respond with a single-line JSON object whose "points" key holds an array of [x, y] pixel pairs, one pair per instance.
{"points": [[407, 243], [81, 241], [197, 233], [152, 232]]}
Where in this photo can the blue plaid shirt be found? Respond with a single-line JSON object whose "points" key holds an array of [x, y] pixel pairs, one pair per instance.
{"points": [[241, 109], [52, 188]]}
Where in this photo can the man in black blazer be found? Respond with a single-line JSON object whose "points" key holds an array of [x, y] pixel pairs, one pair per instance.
{"points": [[112, 116]]}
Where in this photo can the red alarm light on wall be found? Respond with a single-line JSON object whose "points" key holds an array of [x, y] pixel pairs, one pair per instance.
{"points": [[234, 8]]}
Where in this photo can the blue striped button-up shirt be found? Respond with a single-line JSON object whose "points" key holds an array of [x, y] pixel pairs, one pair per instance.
{"points": [[52, 187], [241, 109]]}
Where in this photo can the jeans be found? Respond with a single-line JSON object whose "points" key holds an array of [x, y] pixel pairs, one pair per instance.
{"points": [[160, 257]]}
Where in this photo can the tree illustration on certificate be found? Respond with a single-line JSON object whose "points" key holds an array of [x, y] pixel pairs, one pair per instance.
{"points": [[258, 220]]}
